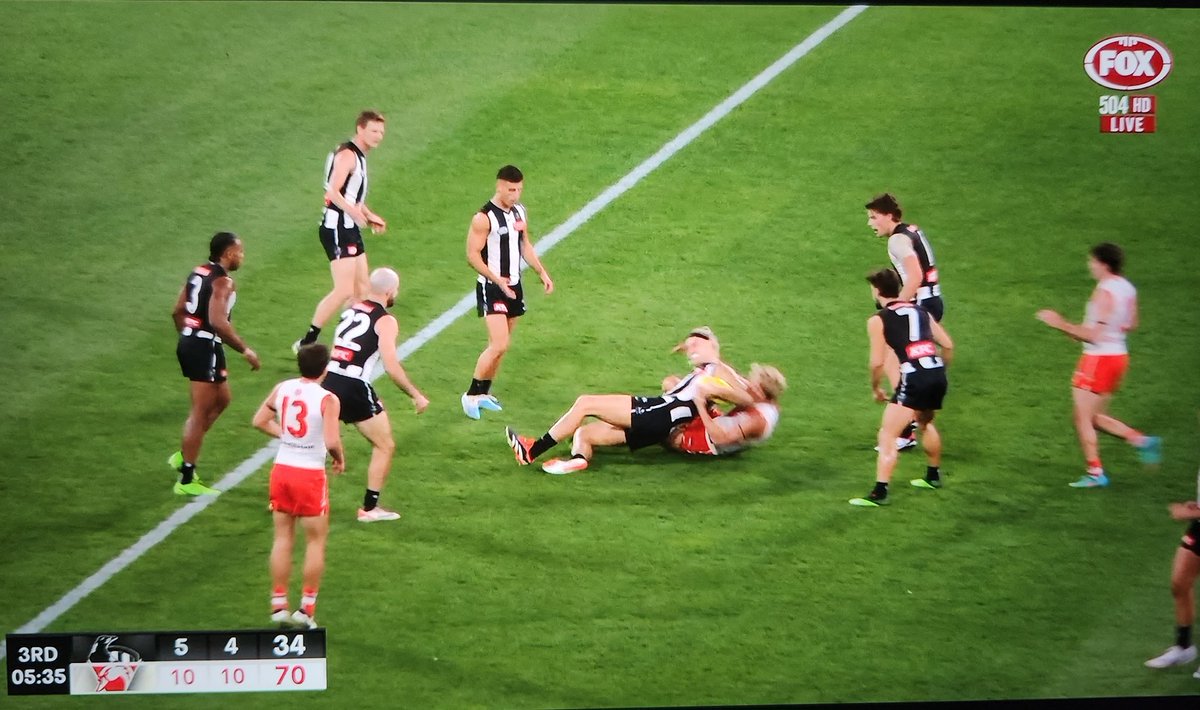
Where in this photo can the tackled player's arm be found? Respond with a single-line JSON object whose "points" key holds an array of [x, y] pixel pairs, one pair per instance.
{"points": [[264, 419], [737, 392], [728, 429], [387, 328]]}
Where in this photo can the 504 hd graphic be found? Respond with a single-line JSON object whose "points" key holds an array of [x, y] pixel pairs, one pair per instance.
{"points": [[166, 662], [1128, 63]]}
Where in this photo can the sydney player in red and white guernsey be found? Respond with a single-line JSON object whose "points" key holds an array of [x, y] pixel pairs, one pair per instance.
{"points": [[741, 427], [1111, 313], [304, 416]]}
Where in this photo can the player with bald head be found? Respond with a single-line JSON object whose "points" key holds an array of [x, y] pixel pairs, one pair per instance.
{"points": [[366, 336]]}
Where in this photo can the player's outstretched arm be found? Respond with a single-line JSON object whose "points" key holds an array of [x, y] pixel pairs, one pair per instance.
{"points": [[1080, 331]]}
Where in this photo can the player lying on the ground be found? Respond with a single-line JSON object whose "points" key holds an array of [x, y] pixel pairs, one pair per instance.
{"points": [[711, 433], [644, 421]]}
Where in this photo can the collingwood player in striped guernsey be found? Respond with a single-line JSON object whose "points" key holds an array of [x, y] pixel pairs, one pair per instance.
{"points": [[366, 337], [911, 333], [202, 314], [912, 257], [645, 421], [342, 218], [496, 242]]}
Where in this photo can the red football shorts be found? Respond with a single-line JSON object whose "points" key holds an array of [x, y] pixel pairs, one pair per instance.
{"points": [[693, 440], [299, 491], [1100, 373]]}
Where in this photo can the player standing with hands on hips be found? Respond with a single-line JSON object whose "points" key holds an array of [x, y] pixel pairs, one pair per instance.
{"points": [[496, 242], [345, 214]]}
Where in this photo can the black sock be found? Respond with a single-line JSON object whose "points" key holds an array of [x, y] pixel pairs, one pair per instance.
{"points": [[880, 490], [479, 387], [311, 335], [932, 473], [186, 472], [485, 386], [1183, 636], [911, 431], [541, 446], [579, 456], [370, 499]]}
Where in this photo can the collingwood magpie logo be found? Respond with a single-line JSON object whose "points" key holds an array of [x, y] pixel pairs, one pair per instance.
{"points": [[113, 665]]}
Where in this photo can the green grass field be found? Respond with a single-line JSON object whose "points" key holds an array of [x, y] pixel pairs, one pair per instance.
{"points": [[133, 131]]}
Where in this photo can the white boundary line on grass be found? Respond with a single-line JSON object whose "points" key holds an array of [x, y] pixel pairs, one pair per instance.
{"points": [[430, 331]]}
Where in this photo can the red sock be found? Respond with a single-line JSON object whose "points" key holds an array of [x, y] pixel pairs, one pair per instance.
{"points": [[279, 600], [1094, 467], [308, 603]]}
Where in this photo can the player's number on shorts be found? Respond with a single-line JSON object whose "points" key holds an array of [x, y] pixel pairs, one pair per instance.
{"points": [[181, 647], [231, 646], [914, 334], [354, 324], [300, 427], [193, 300]]}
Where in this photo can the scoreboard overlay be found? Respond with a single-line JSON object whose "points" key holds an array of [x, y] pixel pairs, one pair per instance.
{"points": [[253, 660]]}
